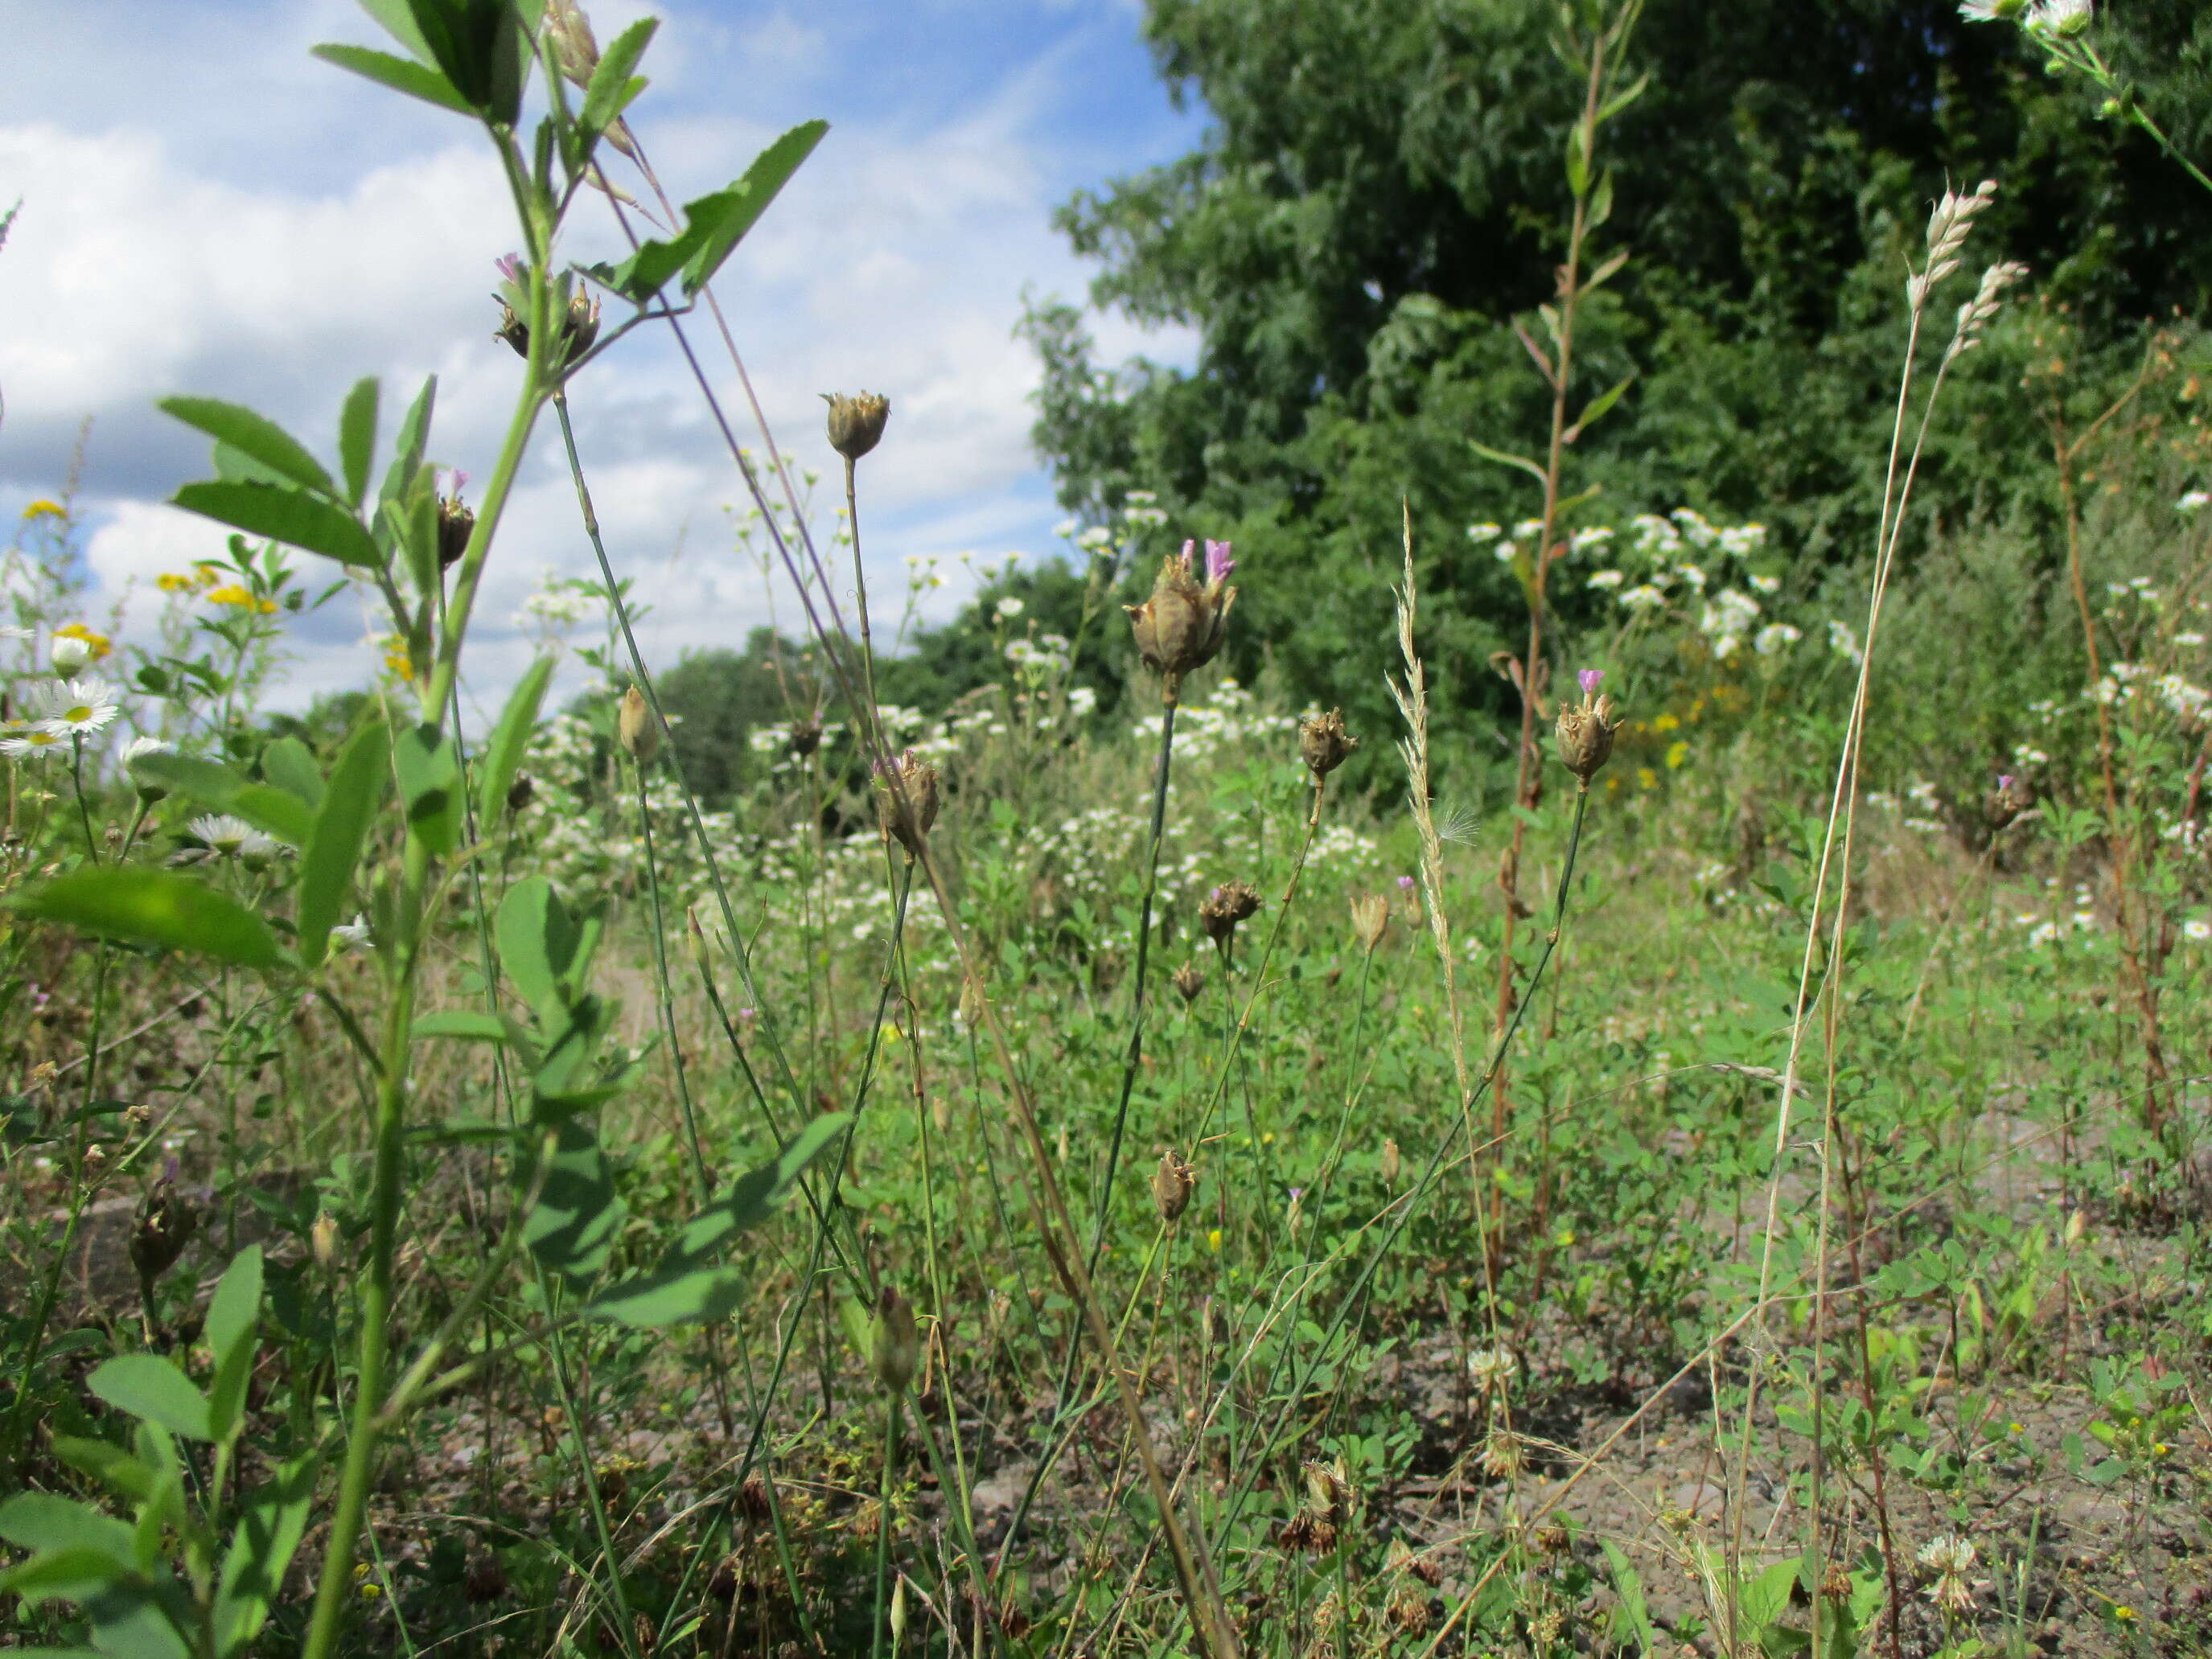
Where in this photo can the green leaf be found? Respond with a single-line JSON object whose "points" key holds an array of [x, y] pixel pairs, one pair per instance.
{"points": [[233, 1321], [687, 1285], [537, 941], [267, 1535], [416, 79], [291, 516], [131, 1477], [738, 208], [357, 438], [572, 1227], [502, 756], [1597, 408], [331, 851], [1621, 100], [1601, 205], [252, 436], [164, 907], [613, 82], [266, 807], [43, 1520], [1505, 459], [72, 1574], [146, 1385], [290, 765], [414, 438], [467, 1025], [397, 17], [429, 769]]}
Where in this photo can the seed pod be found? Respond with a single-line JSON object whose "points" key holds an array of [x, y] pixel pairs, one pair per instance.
{"points": [[1371, 919], [1181, 625], [856, 423], [1172, 1185], [455, 523], [1220, 910], [1586, 729], [1323, 743], [907, 800], [894, 1343], [166, 1222], [521, 792], [1391, 1162], [1189, 982], [634, 724]]}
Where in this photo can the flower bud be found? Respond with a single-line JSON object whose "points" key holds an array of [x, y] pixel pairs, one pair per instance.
{"points": [[634, 724], [68, 653], [1371, 919], [138, 749], [1181, 625], [1324, 743], [573, 47], [907, 800], [455, 523], [1586, 729], [1391, 1161], [893, 1342], [2009, 800], [322, 1240], [856, 423], [166, 1222], [521, 792], [1189, 982], [1220, 910], [898, 1613], [1172, 1185]]}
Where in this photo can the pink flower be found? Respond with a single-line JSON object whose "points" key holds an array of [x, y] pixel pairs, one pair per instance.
{"points": [[1218, 564], [1591, 678]]}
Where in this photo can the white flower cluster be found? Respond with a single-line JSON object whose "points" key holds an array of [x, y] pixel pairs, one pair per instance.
{"points": [[1226, 720], [2127, 683], [59, 713]]}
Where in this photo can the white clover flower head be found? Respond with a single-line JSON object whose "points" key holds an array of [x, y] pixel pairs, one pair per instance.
{"points": [[1490, 1368], [231, 837], [68, 653], [80, 708]]}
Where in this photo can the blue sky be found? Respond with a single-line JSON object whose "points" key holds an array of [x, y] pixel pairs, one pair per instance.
{"points": [[206, 209]]}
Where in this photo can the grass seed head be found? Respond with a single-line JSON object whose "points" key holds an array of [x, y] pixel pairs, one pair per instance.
{"points": [[856, 421], [1324, 743]]}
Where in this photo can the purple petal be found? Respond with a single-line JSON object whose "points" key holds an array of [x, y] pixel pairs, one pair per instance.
{"points": [[2004, 779], [509, 265], [1218, 564], [1405, 883], [1188, 547], [1591, 679]]}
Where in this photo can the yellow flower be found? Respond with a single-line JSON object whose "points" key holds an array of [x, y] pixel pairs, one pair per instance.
{"points": [[395, 660], [242, 597], [170, 582], [1213, 1240], [2126, 1614], [101, 644], [1646, 778], [1665, 723], [43, 509], [1677, 752]]}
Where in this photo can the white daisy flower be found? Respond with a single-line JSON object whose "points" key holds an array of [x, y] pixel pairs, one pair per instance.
{"points": [[80, 708], [1605, 578], [1008, 608], [231, 837], [31, 740]]}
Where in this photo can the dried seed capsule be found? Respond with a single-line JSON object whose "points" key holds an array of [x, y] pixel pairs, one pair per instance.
{"points": [[638, 731], [1188, 981], [1586, 729], [1181, 625], [856, 421], [1371, 919], [1220, 910], [1323, 743], [1172, 1184], [907, 793]]}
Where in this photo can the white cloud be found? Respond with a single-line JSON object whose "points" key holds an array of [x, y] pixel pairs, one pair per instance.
{"points": [[894, 261]]}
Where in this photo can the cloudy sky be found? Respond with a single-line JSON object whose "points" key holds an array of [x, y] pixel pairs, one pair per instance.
{"points": [[206, 209]]}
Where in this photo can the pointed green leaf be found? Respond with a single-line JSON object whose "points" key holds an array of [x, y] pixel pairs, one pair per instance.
{"points": [[146, 1385], [1598, 405], [414, 439], [290, 765], [253, 436], [572, 1227], [331, 851], [262, 1547], [728, 216], [397, 17], [502, 756], [131, 1477], [163, 908], [71, 1575], [1505, 459], [276, 811], [537, 942], [469, 1025], [291, 516], [45, 1520], [688, 1284], [613, 82], [357, 438], [429, 771], [232, 1320]]}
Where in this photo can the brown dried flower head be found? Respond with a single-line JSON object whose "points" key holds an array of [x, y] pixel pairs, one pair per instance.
{"points": [[166, 1222], [907, 793], [856, 421], [1586, 728], [521, 792], [1173, 1183], [634, 724], [1323, 743], [457, 521], [1188, 981], [1181, 625], [805, 735], [1220, 910], [894, 1343], [1371, 919]]}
